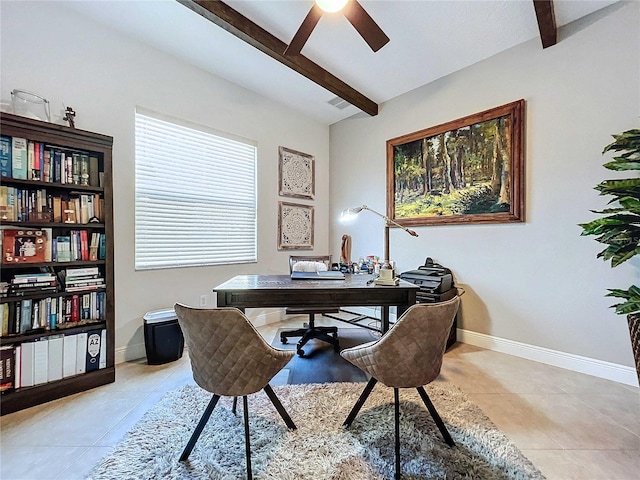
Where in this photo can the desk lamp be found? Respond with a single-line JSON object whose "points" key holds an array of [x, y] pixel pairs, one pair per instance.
{"points": [[352, 212]]}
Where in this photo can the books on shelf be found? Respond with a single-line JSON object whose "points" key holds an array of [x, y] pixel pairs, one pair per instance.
{"points": [[27, 159], [37, 246], [37, 205], [48, 359], [5, 156]]}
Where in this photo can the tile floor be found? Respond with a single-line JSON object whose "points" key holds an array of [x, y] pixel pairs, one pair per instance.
{"points": [[571, 426]]}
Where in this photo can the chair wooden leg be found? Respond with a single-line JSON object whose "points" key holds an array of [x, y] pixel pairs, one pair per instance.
{"points": [[201, 424], [246, 436], [436, 417], [363, 398], [396, 404], [276, 403]]}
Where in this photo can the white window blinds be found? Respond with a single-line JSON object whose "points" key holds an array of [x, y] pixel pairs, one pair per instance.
{"points": [[195, 196]]}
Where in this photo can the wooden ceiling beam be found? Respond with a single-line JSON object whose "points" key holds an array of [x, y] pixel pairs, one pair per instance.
{"points": [[232, 21], [546, 22]]}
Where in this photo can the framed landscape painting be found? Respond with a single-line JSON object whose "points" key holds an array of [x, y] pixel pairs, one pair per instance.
{"points": [[469, 170]]}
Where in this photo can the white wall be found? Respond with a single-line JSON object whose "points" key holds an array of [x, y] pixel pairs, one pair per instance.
{"points": [[51, 50], [537, 283]]}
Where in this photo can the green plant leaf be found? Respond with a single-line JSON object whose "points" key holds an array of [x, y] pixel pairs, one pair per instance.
{"points": [[627, 308], [620, 228], [620, 187], [623, 255], [620, 166]]}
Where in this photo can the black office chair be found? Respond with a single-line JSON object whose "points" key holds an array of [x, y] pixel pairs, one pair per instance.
{"points": [[310, 330]]}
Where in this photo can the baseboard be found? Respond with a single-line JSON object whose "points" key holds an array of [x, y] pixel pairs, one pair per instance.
{"points": [[130, 353], [569, 361]]}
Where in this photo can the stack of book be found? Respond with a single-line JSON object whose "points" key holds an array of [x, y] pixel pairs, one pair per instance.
{"points": [[76, 279], [32, 283]]}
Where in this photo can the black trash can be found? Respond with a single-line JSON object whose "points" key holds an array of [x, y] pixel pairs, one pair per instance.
{"points": [[163, 339]]}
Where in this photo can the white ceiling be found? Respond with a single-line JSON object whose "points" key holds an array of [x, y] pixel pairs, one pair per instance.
{"points": [[429, 39]]}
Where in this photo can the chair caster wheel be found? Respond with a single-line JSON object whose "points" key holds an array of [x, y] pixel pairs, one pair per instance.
{"points": [[301, 352]]}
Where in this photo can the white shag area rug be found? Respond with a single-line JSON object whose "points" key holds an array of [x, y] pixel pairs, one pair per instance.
{"points": [[320, 449]]}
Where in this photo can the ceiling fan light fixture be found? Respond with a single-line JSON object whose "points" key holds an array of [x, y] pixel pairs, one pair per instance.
{"points": [[331, 6]]}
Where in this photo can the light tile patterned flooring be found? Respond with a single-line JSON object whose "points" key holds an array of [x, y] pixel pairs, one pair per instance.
{"points": [[571, 426]]}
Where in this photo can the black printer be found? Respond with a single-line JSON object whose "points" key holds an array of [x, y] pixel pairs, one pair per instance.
{"points": [[436, 285]]}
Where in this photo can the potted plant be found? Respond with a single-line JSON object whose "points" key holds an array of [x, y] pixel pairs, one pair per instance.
{"points": [[619, 229]]}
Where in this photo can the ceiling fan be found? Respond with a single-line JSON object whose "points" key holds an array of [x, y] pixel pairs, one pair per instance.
{"points": [[357, 16]]}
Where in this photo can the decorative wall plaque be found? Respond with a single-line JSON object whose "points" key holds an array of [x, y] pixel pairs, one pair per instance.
{"points": [[295, 226], [296, 174]]}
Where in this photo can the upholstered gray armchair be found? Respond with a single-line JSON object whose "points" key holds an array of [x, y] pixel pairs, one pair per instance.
{"points": [[229, 357], [407, 356]]}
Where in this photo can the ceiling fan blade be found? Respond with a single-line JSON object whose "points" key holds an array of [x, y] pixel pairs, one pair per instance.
{"points": [[305, 29], [365, 25]]}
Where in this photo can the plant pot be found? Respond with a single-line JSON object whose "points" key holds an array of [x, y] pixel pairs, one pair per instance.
{"points": [[634, 332]]}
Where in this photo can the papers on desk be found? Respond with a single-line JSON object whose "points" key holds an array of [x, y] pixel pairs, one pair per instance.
{"points": [[324, 275]]}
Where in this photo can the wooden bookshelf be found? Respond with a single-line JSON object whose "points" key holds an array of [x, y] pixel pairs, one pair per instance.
{"points": [[99, 316]]}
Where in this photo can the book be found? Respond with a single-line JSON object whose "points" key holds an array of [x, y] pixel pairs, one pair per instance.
{"points": [[18, 366], [80, 288], [5, 156], [58, 169], [46, 165], [25, 315], [69, 354], [30, 159], [103, 349], [63, 249], [33, 278], [7, 367], [84, 245], [84, 169], [38, 152], [55, 359], [68, 168], [102, 248], [75, 308], [94, 180], [4, 319], [19, 158], [81, 353], [75, 168], [53, 319], [94, 339], [27, 365], [40, 360], [80, 272]]}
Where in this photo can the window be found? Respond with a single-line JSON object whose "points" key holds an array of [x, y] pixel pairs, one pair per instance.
{"points": [[195, 200]]}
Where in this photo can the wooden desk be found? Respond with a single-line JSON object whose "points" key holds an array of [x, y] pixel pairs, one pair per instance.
{"points": [[260, 291]]}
